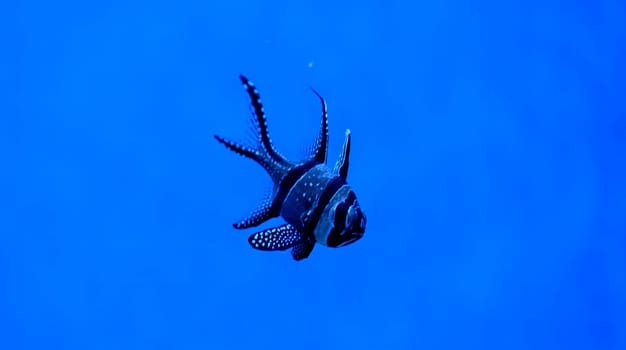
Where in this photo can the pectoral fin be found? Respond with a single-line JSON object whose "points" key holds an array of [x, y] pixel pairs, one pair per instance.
{"points": [[276, 238]]}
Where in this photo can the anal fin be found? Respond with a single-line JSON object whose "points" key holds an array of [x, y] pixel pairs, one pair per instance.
{"points": [[262, 213]]}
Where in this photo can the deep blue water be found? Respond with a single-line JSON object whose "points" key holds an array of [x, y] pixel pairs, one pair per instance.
{"points": [[488, 153]]}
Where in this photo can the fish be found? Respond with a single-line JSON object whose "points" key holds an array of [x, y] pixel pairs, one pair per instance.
{"points": [[316, 202]]}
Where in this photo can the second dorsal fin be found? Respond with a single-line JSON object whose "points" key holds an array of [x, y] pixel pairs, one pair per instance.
{"points": [[341, 167]]}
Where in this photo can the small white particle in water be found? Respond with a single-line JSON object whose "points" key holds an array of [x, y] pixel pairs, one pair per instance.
{"points": [[311, 64]]}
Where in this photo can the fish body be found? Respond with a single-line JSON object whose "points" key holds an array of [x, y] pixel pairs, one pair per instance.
{"points": [[316, 201]]}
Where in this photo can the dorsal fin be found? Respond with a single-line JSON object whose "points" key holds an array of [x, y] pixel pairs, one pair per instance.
{"points": [[252, 153], [341, 167], [239, 148], [259, 122], [321, 144]]}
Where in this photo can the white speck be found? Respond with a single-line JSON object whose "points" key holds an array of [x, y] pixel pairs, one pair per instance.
{"points": [[311, 64]]}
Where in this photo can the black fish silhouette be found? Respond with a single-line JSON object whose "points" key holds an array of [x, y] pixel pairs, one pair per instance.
{"points": [[316, 202]]}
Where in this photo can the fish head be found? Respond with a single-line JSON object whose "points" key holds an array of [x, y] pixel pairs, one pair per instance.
{"points": [[349, 227]]}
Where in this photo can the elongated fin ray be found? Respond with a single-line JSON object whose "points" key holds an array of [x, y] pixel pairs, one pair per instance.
{"points": [[276, 238], [303, 249], [239, 148], [341, 167], [259, 121], [321, 144], [259, 215]]}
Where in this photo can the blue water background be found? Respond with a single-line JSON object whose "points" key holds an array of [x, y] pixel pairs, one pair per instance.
{"points": [[489, 144]]}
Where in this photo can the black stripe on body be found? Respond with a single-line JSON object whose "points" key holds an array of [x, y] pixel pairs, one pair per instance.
{"points": [[287, 183], [326, 220], [304, 195], [333, 186]]}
